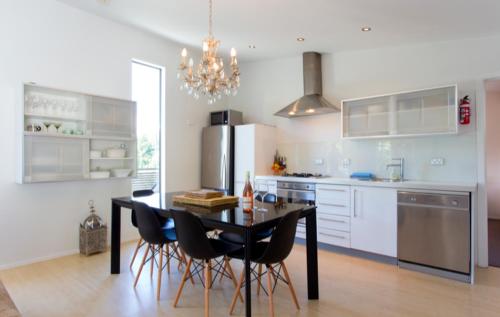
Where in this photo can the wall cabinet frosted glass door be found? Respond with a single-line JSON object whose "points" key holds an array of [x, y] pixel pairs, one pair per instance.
{"points": [[55, 159], [112, 117], [423, 112]]}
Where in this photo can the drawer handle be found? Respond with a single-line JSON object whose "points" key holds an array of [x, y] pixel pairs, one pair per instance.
{"points": [[334, 205], [332, 220], [333, 190], [333, 236]]}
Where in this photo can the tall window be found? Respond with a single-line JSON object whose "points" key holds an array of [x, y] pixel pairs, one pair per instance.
{"points": [[147, 91]]}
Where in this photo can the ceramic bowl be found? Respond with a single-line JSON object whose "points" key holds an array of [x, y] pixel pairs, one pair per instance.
{"points": [[121, 172]]}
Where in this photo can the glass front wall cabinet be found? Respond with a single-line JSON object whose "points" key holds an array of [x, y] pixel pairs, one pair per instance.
{"points": [[75, 136], [423, 112]]}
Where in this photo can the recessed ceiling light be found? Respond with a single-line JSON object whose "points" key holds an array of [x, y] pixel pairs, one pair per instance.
{"points": [[251, 46], [366, 29], [300, 39]]}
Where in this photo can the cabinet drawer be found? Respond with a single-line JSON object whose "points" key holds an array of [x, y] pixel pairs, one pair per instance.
{"points": [[329, 221], [334, 237], [334, 195], [331, 209]]}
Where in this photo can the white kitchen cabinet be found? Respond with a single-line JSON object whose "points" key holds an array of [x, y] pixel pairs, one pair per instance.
{"points": [[55, 159], [422, 112], [374, 220], [333, 214], [255, 146], [113, 117], [60, 128]]}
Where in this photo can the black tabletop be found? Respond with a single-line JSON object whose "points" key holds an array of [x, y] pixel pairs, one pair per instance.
{"points": [[232, 215]]}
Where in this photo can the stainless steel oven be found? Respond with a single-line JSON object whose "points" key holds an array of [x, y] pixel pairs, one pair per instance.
{"points": [[298, 193]]}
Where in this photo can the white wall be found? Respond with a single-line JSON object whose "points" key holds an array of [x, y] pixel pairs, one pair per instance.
{"points": [[269, 85], [493, 149], [56, 45]]}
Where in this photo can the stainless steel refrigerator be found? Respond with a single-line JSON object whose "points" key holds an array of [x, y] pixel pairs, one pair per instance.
{"points": [[217, 165]]}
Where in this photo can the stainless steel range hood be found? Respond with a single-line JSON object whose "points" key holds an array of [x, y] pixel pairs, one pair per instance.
{"points": [[312, 103]]}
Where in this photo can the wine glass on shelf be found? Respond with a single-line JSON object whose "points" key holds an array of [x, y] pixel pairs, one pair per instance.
{"points": [[262, 190]]}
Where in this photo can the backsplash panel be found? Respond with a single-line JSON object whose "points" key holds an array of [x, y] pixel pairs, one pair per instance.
{"points": [[373, 156]]}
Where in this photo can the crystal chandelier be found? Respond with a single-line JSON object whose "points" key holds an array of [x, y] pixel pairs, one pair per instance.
{"points": [[208, 78]]}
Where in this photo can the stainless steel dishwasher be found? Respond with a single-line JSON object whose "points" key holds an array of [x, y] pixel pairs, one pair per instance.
{"points": [[434, 233]]}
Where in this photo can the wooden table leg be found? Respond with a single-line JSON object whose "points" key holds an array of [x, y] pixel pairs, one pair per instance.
{"points": [[312, 257], [248, 279], [115, 237]]}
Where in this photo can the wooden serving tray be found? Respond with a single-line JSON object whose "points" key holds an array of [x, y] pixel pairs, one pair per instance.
{"points": [[204, 194], [211, 202]]}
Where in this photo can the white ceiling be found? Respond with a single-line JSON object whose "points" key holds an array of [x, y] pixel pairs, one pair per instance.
{"points": [[327, 25]]}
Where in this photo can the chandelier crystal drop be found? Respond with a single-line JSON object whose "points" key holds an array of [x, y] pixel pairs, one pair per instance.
{"points": [[208, 77]]}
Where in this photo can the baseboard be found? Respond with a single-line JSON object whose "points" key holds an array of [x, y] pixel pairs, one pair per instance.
{"points": [[46, 258], [38, 259]]}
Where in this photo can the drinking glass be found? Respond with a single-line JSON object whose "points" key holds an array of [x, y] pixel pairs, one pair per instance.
{"points": [[262, 190]]}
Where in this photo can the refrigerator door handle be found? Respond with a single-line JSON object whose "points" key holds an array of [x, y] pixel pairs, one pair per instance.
{"points": [[224, 171]]}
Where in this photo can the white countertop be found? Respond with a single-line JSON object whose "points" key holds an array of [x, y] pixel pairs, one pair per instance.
{"points": [[420, 185]]}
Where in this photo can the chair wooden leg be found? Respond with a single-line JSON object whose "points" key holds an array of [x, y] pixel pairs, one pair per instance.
{"points": [[160, 269], [183, 281], [208, 281], [290, 285], [184, 259], [142, 265], [167, 245], [259, 283], [229, 270], [238, 288], [224, 270], [176, 250], [135, 252], [270, 290], [153, 250]]}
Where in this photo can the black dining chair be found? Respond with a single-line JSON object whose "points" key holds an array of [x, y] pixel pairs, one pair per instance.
{"points": [[272, 254], [192, 238], [157, 237], [133, 220]]}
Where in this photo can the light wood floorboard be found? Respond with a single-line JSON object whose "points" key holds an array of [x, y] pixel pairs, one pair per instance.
{"points": [[81, 286]]}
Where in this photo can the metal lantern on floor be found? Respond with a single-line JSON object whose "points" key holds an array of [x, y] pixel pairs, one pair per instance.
{"points": [[93, 233]]}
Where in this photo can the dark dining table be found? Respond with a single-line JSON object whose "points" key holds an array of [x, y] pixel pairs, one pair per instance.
{"points": [[229, 218]]}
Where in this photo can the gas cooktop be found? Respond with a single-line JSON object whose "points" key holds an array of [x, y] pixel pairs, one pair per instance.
{"points": [[304, 175]]}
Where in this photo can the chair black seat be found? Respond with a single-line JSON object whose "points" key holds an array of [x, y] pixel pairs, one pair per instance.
{"points": [[193, 239], [258, 249], [150, 227], [240, 239], [280, 245]]}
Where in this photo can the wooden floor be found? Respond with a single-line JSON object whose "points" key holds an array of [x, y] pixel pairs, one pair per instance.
{"points": [[7, 307], [79, 286]]}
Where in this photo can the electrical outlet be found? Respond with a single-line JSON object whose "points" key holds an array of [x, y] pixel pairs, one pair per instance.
{"points": [[346, 163], [318, 162], [437, 161]]}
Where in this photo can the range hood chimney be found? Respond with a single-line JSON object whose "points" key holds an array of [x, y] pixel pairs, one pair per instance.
{"points": [[312, 103]]}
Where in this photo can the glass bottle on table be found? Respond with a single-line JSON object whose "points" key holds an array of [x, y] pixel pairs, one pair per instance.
{"points": [[247, 194]]}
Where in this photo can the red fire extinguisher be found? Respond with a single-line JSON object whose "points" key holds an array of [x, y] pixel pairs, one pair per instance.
{"points": [[464, 110]]}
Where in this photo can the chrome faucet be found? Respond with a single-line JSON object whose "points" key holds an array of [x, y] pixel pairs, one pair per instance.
{"points": [[401, 166]]}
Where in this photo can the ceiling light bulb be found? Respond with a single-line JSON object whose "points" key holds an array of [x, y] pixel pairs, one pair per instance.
{"points": [[300, 39], [184, 52], [311, 110], [366, 29], [191, 62], [233, 52], [205, 46], [291, 113]]}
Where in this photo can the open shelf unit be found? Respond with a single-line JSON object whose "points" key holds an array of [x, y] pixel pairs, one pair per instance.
{"points": [[415, 113], [60, 128]]}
